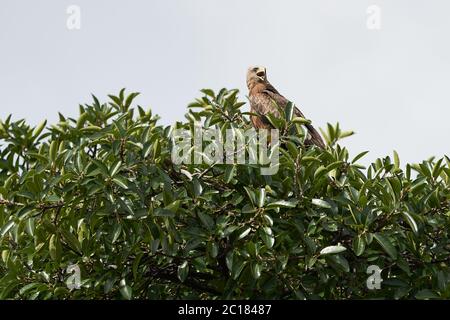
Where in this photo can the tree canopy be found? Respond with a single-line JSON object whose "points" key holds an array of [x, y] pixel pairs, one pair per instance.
{"points": [[99, 198]]}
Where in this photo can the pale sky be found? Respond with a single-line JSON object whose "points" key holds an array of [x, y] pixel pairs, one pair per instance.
{"points": [[391, 85]]}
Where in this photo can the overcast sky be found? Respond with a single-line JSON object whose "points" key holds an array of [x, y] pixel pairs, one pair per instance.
{"points": [[389, 85]]}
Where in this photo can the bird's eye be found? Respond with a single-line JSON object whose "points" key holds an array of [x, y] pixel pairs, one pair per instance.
{"points": [[260, 74], [255, 69]]}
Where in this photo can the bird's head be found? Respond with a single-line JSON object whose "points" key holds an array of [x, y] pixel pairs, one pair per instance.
{"points": [[256, 75]]}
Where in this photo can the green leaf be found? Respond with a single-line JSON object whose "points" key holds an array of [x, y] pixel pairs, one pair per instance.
{"points": [[230, 171], [102, 167], [130, 99], [359, 156], [256, 270], [396, 160], [120, 181], [251, 195], [136, 264], [359, 245], [266, 235], [90, 129], [187, 174], [6, 228], [53, 198], [208, 92], [412, 223], [332, 250], [198, 188], [244, 232], [29, 226], [183, 271], [437, 169], [229, 260], [115, 168], [321, 203], [268, 220], [53, 247], [37, 131], [345, 134], [238, 266], [261, 197], [127, 292], [289, 111], [207, 221], [162, 212], [71, 240], [28, 287], [213, 249], [338, 262], [53, 150], [301, 120], [320, 172], [174, 206], [386, 244], [283, 204], [426, 294], [116, 232], [81, 120]]}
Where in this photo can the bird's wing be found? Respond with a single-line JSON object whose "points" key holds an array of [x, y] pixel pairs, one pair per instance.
{"points": [[275, 95], [315, 136], [262, 104], [282, 101]]}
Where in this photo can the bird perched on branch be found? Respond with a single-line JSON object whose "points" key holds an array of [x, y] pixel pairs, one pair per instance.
{"points": [[264, 99]]}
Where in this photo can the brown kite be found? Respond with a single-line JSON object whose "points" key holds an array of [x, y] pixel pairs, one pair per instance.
{"points": [[264, 99]]}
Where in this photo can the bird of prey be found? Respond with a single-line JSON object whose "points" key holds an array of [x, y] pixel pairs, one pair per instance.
{"points": [[263, 100]]}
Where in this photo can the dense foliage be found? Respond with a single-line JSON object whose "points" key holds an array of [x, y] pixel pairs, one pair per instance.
{"points": [[101, 193]]}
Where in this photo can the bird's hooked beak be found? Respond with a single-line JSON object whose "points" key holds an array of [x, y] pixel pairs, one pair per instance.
{"points": [[260, 73], [256, 74]]}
